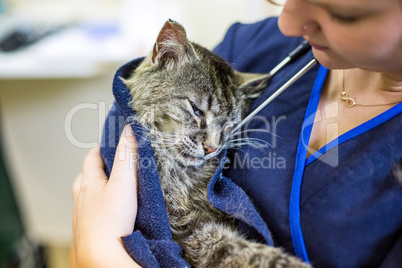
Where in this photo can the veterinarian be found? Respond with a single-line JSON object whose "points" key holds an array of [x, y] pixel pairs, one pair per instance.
{"points": [[335, 199]]}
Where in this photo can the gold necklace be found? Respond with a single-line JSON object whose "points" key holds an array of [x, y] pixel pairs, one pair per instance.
{"points": [[351, 102]]}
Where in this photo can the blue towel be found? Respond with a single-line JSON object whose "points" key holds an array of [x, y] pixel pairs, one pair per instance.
{"points": [[151, 244]]}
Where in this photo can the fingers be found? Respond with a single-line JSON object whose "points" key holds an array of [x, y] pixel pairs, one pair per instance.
{"points": [[124, 167], [125, 161], [93, 165], [77, 186], [105, 210], [92, 170]]}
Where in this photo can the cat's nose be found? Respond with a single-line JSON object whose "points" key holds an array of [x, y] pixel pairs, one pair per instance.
{"points": [[208, 149]]}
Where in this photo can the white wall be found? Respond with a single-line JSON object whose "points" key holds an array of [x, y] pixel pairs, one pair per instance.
{"points": [[205, 20]]}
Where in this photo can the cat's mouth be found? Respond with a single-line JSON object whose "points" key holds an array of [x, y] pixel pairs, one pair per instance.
{"points": [[189, 160]]}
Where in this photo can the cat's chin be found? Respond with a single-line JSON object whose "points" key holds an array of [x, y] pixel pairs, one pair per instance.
{"points": [[191, 161]]}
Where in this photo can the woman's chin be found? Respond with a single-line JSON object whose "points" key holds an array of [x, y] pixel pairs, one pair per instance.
{"points": [[330, 61]]}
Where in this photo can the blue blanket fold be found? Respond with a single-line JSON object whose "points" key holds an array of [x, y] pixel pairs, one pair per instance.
{"points": [[151, 244]]}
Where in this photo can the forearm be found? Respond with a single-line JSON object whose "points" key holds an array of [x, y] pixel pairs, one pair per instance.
{"points": [[73, 261], [107, 254]]}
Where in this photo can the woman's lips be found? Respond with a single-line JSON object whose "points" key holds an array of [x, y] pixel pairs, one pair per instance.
{"points": [[318, 47]]}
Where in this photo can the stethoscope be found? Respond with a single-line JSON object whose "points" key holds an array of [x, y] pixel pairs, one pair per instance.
{"points": [[300, 50], [294, 210]]}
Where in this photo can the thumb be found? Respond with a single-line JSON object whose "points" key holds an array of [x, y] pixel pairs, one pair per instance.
{"points": [[125, 160]]}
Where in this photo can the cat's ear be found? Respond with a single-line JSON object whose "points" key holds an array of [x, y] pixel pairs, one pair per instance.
{"points": [[253, 84], [172, 45]]}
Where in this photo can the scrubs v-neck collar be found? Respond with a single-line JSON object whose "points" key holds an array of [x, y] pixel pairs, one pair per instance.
{"points": [[302, 162]]}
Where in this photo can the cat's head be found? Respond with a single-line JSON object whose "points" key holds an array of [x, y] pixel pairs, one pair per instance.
{"points": [[189, 97]]}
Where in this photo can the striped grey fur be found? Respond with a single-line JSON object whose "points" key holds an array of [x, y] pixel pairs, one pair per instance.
{"points": [[190, 99]]}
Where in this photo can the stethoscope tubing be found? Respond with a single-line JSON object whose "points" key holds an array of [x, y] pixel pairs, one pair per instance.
{"points": [[296, 53]]}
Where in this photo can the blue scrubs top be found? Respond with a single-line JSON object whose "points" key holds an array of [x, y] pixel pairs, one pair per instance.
{"points": [[342, 207]]}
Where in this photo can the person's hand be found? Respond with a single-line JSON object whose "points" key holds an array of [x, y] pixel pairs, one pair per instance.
{"points": [[105, 210]]}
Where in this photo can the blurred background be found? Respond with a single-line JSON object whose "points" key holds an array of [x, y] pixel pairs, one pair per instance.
{"points": [[57, 61]]}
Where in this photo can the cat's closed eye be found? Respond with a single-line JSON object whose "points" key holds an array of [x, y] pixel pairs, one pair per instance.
{"points": [[197, 111]]}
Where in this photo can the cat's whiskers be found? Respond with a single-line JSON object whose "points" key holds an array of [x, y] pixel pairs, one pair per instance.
{"points": [[181, 152], [253, 142], [168, 139], [245, 131], [236, 140], [161, 139], [176, 159]]}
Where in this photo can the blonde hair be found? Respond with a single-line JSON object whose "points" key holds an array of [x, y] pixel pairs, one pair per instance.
{"points": [[278, 4]]}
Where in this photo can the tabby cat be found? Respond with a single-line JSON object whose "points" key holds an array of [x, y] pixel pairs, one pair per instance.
{"points": [[190, 100]]}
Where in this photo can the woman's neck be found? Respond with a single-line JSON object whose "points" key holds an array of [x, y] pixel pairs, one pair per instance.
{"points": [[368, 87], [391, 82]]}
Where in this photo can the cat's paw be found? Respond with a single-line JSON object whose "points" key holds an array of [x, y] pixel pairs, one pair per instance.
{"points": [[275, 258], [257, 256], [217, 245]]}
